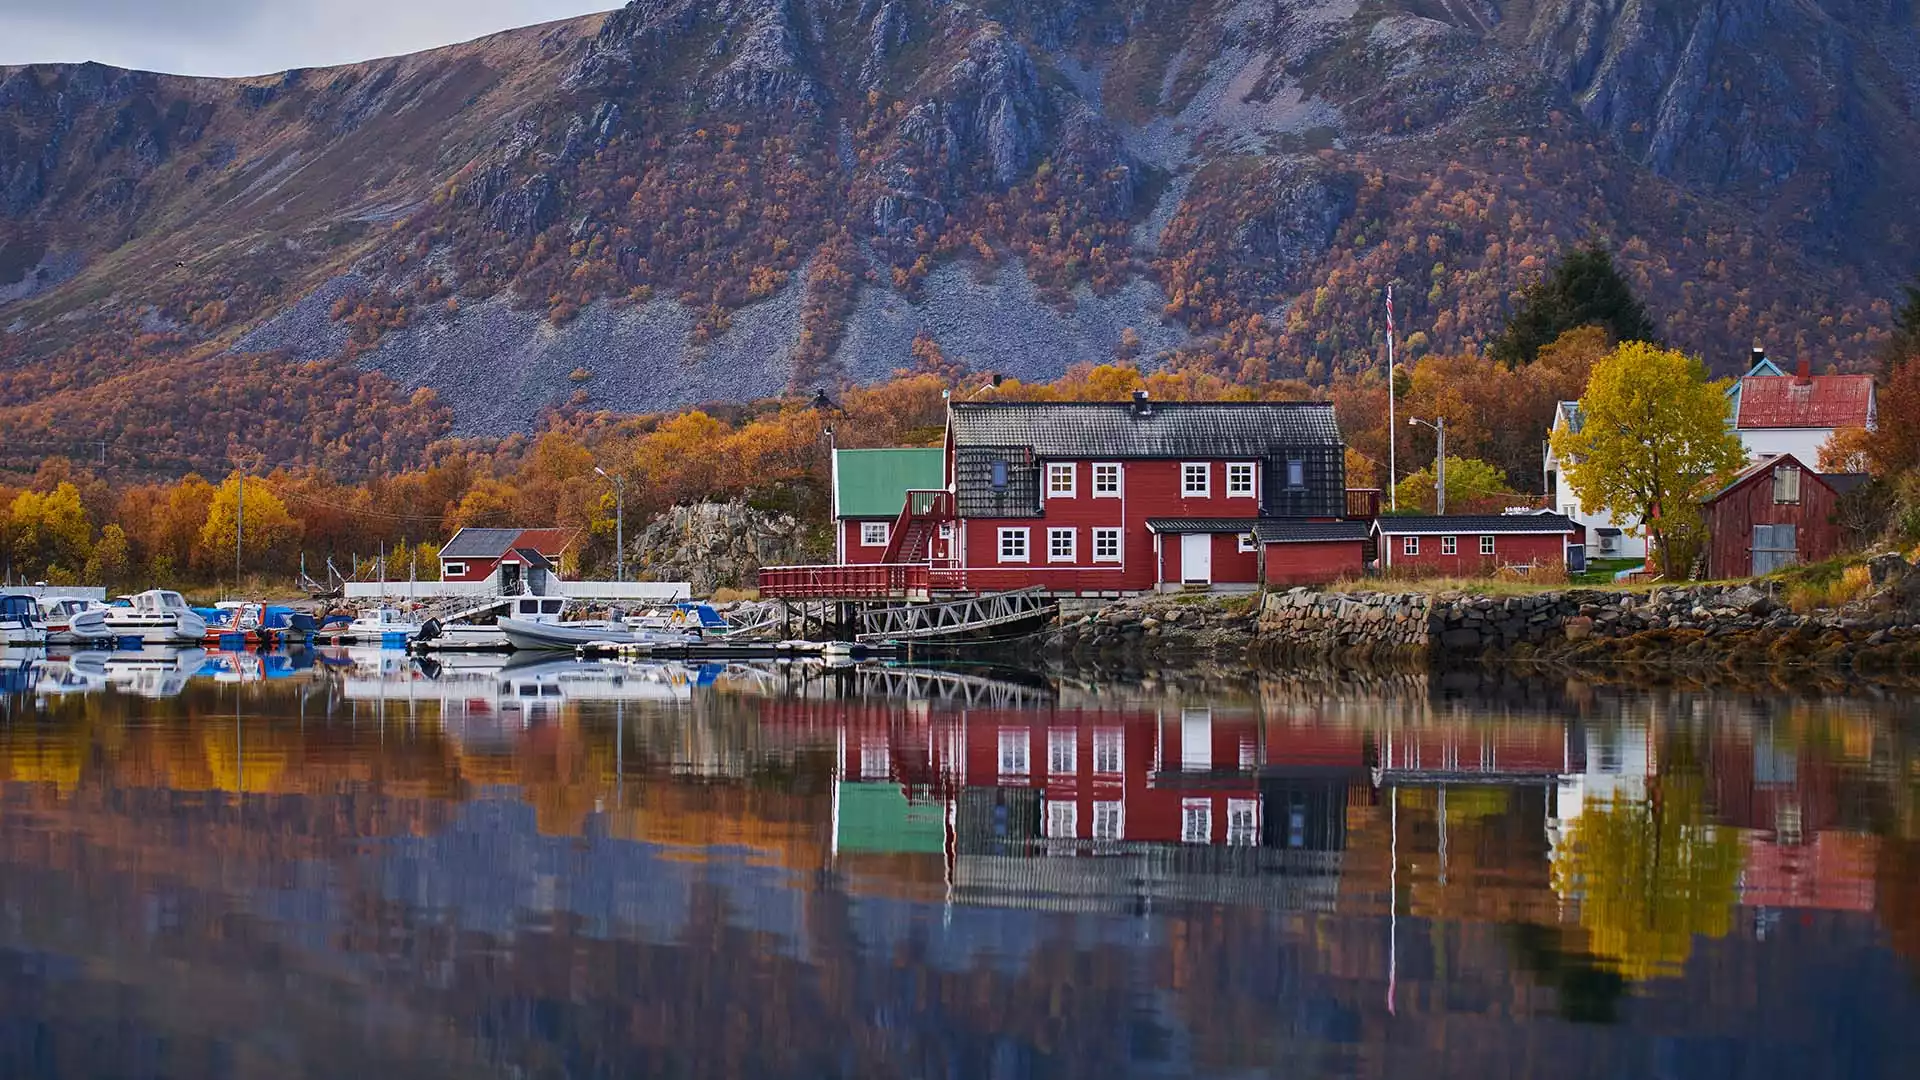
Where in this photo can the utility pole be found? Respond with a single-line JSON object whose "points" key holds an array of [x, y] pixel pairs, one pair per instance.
{"points": [[1393, 430], [1439, 426], [619, 522]]}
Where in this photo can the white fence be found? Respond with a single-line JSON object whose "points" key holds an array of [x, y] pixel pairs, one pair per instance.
{"points": [[57, 592], [655, 592]]}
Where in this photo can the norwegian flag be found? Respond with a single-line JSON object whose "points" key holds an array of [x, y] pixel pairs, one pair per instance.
{"points": [[1389, 311]]}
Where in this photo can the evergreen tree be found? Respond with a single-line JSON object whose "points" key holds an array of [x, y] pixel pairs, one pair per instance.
{"points": [[1585, 289], [1906, 328]]}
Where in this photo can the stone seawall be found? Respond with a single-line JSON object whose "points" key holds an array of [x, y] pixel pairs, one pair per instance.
{"points": [[1359, 625]]}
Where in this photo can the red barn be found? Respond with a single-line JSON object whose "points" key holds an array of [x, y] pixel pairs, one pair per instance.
{"points": [[518, 555], [1472, 545], [1776, 513]]}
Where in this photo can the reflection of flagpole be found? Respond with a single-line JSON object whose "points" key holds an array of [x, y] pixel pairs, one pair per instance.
{"points": [[1393, 902], [1393, 427]]}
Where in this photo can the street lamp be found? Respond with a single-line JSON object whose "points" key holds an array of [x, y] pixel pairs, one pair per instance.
{"points": [[1439, 426], [619, 522]]}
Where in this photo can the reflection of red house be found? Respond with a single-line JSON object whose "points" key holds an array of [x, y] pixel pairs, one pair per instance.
{"points": [[1835, 872]]}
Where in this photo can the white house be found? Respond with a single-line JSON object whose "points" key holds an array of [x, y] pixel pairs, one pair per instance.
{"points": [[1797, 414], [1608, 537]]}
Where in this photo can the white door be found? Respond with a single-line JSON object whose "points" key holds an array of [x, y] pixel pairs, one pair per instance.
{"points": [[1196, 558]]}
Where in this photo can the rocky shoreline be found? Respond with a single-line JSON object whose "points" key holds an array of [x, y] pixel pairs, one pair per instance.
{"points": [[1681, 627]]}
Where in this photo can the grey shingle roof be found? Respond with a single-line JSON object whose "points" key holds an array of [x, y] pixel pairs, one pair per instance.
{"points": [[1162, 430], [479, 543], [1508, 524], [1201, 525], [1841, 483], [1305, 532], [533, 558]]}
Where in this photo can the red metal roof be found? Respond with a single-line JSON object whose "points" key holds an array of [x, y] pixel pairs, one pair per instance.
{"points": [[549, 542], [1820, 401]]}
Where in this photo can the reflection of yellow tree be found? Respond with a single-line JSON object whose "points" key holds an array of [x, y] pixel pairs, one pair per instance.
{"points": [[1649, 877]]}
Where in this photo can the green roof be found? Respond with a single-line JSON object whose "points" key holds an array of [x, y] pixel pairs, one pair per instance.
{"points": [[874, 483], [878, 818]]}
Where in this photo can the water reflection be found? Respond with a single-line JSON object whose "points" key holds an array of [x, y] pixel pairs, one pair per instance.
{"points": [[346, 862]]}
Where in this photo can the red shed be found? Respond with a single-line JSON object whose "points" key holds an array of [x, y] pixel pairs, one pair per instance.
{"points": [[1470, 545], [1311, 552], [519, 555], [1776, 513]]}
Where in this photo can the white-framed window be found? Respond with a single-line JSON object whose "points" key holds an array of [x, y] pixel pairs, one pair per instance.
{"points": [[453, 569], [1106, 545], [1409, 545], [1060, 479], [1296, 473], [1109, 751], [1014, 747], [1063, 752], [1246, 543], [874, 533], [1063, 819], [1196, 479], [1062, 545], [1240, 480], [1786, 484], [1486, 545], [1196, 821], [1449, 545], [1106, 480], [1243, 822], [874, 760], [1013, 545], [1110, 820]]}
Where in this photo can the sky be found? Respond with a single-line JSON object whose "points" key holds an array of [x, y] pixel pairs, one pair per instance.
{"points": [[254, 37]]}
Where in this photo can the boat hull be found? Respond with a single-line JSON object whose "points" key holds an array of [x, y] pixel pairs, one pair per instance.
{"points": [[536, 636], [25, 636], [176, 632]]}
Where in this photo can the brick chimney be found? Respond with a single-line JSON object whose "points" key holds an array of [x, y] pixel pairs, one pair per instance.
{"points": [[1803, 376], [1141, 405]]}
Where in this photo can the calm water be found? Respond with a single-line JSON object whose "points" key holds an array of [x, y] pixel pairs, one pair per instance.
{"points": [[346, 866]]}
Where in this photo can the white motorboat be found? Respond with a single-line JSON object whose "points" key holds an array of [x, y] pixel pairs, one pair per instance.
{"points": [[571, 635], [386, 627], [20, 623], [461, 635], [73, 621], [157, 617], [154, 672]]}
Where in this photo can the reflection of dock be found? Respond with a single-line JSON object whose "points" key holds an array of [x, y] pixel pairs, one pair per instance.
{"points": [[1123, 876]]}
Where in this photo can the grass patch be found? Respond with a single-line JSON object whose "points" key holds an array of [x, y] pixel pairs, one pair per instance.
{"points": [[730, 596], [1601, 571]]}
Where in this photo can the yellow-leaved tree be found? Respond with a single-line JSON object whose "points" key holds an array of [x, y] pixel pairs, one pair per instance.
{"points": [[266, 524], [49, 533], [1653, 431]]}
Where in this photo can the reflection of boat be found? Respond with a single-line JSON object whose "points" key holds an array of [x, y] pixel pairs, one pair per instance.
{"points": [[20, 621], [73, 621], [20, 668], [153, 671], [157, 617], [523, 686], [80, 673]]}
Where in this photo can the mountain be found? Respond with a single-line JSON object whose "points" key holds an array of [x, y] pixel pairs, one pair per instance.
{"points": [[689, 200]]}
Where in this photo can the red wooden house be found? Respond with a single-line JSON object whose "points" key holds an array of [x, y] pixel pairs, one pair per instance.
{"points": [[1776, 513], [518, 555], [1471, 545]]}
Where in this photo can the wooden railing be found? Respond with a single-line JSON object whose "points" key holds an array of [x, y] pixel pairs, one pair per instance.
{"points": [[923, 511], [1363, 504], [886, 581]]}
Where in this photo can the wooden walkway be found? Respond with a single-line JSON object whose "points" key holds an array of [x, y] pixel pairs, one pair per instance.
{"points": [[953, 620]]}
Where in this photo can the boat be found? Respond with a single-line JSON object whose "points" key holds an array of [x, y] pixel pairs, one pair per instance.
{"points": [[20, 623], [157, 617], [387, 627], [460, 635], [153, 671], [251, 623], [73, 621], [523, 634]]}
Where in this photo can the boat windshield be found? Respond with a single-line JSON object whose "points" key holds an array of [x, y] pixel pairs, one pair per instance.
{"points": [[17, 607]]}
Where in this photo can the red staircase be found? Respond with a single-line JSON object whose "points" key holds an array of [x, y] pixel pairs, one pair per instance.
{"points": [[911, 538]]}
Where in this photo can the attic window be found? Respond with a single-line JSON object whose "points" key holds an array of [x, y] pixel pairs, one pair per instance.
{"points": [[999, 474], [1786, 484]]}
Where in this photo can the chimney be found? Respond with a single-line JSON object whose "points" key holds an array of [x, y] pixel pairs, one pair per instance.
{"points": [[1141, 406], [1759, 357], [1804, 375]]}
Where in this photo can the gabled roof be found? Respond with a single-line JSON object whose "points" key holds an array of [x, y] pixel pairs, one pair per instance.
{"points": [[533, 558], [1818, 401], [1570, 414], [874, 483], [1763, 467], [1282, 531], [1201, 525], [1843, 482], [1156, 429], [493, 543], [1498, 524]]}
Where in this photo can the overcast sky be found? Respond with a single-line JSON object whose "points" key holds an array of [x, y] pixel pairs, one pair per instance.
{"points": [[252, 37]]}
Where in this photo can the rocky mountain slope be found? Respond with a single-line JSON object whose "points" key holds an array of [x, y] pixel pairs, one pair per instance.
{"points": [[687, 200]]}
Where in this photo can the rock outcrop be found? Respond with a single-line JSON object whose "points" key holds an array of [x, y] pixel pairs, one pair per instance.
{"points": [[721, 545]]}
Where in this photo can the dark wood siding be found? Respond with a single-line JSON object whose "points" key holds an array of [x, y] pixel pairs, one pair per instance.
{"points": [[1732, 515]]}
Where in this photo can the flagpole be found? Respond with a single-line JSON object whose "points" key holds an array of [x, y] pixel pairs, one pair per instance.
{"points": [[1393, 426]]}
